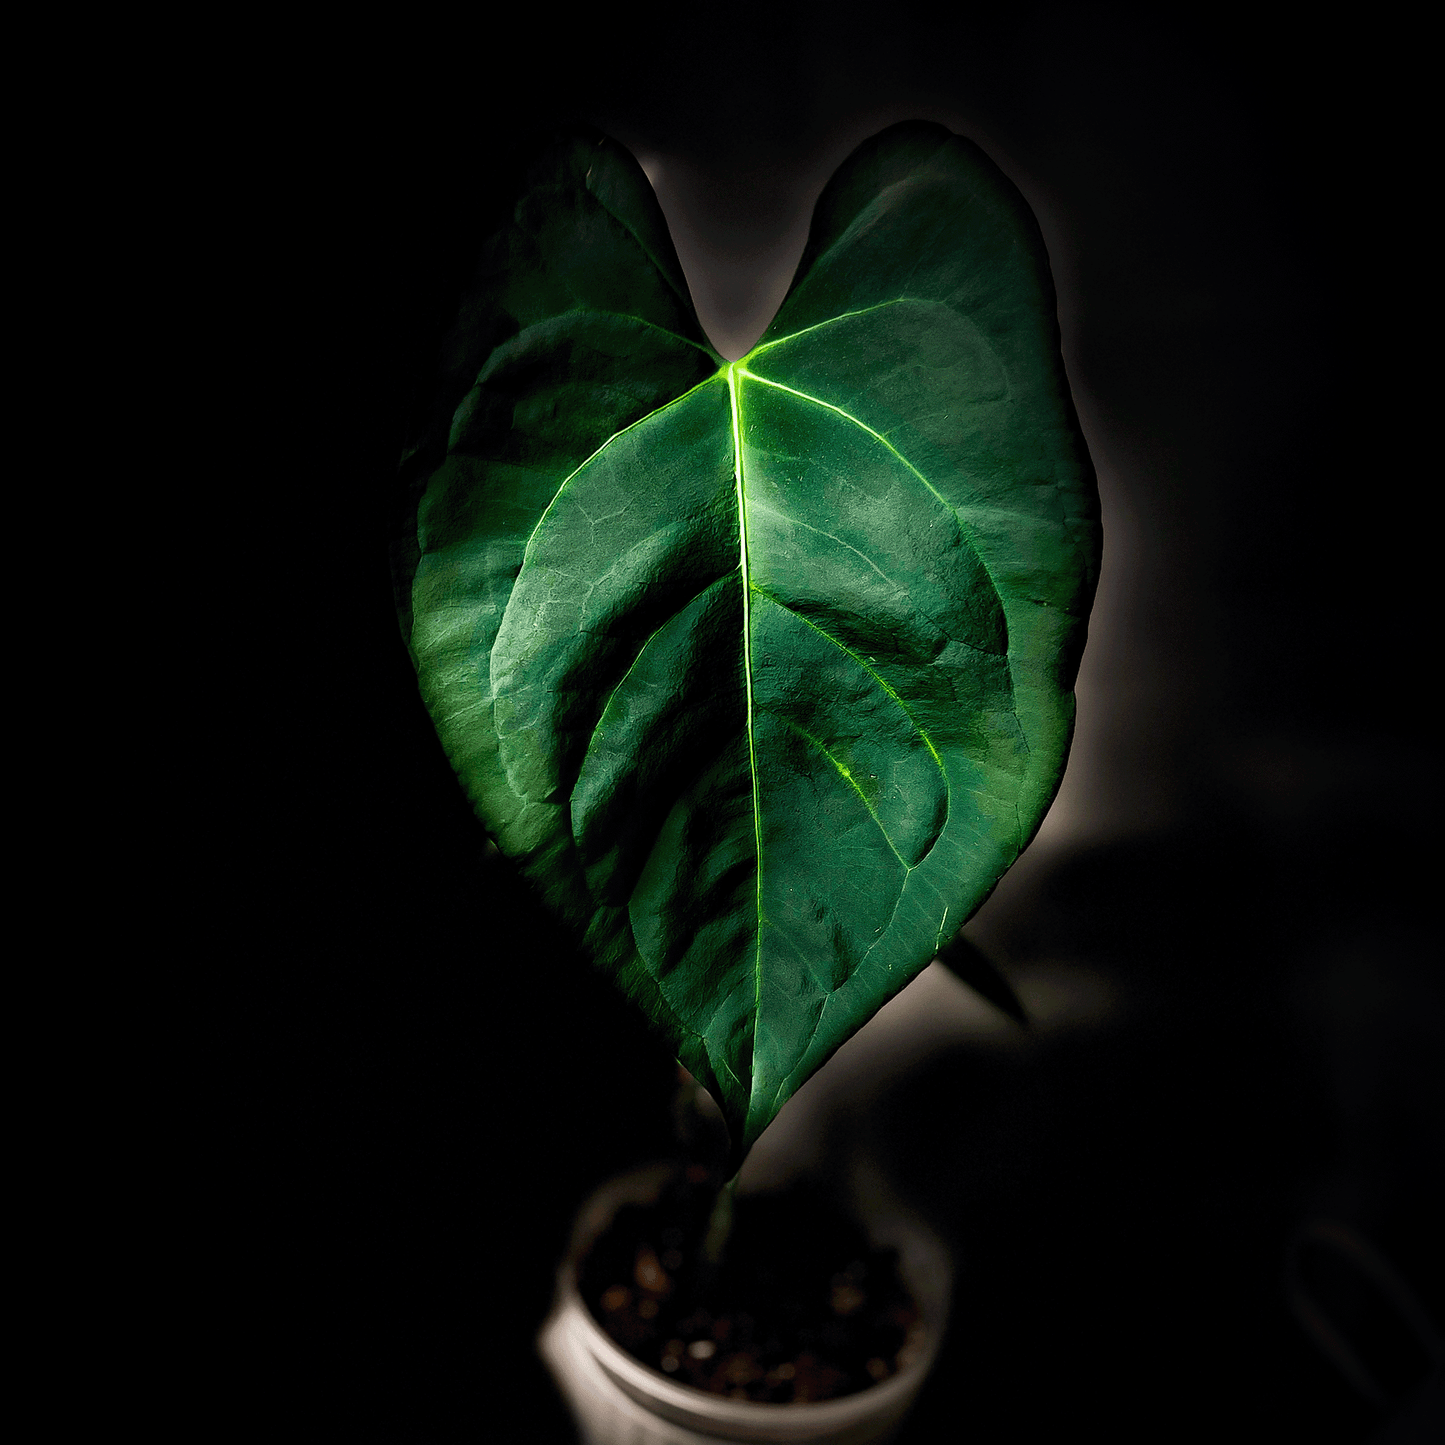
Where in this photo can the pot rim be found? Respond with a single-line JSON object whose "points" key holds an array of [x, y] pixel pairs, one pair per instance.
{"points": [[897, 1228]]}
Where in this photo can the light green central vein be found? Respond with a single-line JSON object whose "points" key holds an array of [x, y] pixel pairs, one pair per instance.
{"points": [[862, 426], [852, 783], [734, 399]]}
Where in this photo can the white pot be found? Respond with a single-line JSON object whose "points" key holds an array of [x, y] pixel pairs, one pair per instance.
{"points": [[617, 1400]]}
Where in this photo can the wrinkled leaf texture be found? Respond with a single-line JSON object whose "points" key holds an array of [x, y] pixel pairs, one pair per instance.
{"points": [[761, 671]]}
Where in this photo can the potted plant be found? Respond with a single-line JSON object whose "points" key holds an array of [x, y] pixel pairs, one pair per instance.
{"points": [[760, 671]]}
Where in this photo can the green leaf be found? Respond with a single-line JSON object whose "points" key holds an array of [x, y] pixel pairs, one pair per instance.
{"points": [[761, 671]]}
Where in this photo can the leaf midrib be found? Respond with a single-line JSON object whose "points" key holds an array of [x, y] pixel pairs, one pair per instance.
{"points": [[735, 408], [734, 372]]}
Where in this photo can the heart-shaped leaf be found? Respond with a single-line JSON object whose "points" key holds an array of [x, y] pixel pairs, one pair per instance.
{"points": [[761, 670]]}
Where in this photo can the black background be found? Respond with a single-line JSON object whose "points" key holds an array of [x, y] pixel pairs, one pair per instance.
{"points": [[422, 1081]]}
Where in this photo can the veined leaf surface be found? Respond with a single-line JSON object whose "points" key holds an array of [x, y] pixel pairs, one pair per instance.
{"points": [[761, 670]]}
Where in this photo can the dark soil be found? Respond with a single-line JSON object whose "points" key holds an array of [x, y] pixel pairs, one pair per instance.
{"points": [[801, 1307]]}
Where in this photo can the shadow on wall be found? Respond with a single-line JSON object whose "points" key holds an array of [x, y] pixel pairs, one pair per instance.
{"points": [[1129, 1184]]}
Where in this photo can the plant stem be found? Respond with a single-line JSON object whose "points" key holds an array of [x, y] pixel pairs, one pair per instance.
{"points": [[719, 1228]]}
